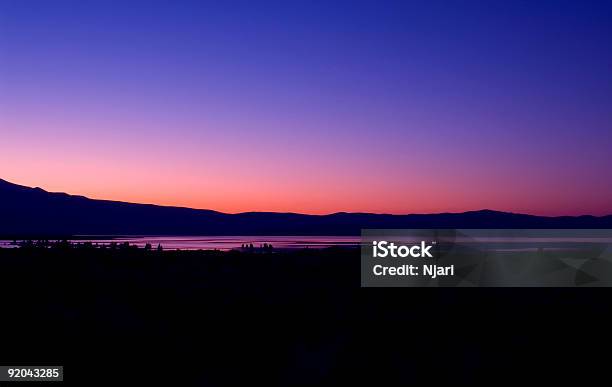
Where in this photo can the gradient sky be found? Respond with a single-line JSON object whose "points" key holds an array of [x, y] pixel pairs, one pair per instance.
{"points": [[312, 106]]}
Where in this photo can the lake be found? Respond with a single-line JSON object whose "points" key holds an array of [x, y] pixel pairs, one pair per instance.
{"points": [[222, 242]]}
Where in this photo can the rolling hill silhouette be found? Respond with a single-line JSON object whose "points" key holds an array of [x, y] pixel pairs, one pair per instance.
{"points": [[34, 211]]}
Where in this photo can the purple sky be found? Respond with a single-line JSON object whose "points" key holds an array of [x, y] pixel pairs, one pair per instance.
{"points": [[313, 107]]}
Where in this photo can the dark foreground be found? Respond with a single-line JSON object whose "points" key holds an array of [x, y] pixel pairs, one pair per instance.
{"points": [[128, 317]]}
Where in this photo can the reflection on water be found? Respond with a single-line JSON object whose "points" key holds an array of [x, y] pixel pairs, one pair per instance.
{"points": [[499, 244], [223, 242]]}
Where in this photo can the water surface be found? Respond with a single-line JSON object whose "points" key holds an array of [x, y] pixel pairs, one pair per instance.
{"points": [[221, 242]]}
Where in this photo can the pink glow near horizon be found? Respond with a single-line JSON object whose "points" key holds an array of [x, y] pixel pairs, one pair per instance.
{"points": [[230, 174]]}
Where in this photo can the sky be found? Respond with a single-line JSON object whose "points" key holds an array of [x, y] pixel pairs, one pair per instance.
{"points": [[312, 106]]}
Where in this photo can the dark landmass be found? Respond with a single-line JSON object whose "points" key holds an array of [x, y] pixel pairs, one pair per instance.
{"points": [[207, 318], [128, 316], [34, 212]]}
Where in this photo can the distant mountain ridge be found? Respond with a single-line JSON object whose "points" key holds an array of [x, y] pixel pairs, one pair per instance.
{"points": [[34, 211]]}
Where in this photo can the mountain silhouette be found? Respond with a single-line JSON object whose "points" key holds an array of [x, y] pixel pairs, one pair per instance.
{"points": [[34, 211]]}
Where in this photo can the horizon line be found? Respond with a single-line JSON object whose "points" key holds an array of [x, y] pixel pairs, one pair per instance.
{"points": [[299, 213]]}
